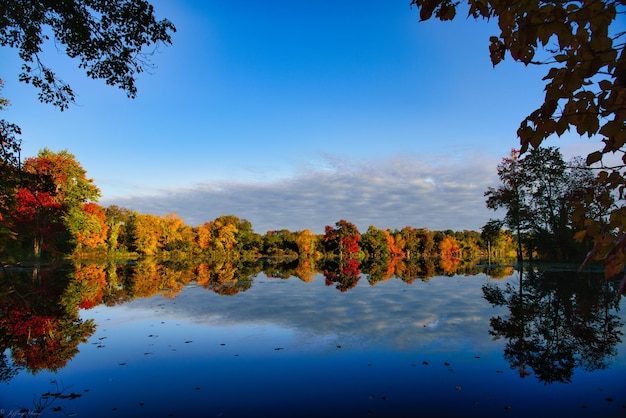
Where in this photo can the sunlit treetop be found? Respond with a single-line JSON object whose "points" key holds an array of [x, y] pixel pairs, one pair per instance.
{"points": [[108, 38]]}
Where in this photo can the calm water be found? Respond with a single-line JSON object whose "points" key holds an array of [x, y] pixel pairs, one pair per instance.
{"points": [[290, 348]]}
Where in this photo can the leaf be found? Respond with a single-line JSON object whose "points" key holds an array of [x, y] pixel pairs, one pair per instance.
{"points": [[594, 157], [605, 85], [427, 8], [580, 236], [560, 58]]}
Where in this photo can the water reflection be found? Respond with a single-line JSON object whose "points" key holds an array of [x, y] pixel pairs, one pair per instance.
{"points": [[39, 319], [390, 335], [556, 322]]}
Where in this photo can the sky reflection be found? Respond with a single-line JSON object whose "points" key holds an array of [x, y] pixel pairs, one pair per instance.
{"points": [[287, 348], [390, 315]]}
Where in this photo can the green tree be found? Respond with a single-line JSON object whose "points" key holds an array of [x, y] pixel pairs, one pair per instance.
{"points": [[117, 219], [490, 233], [547, 207], [540, 194], [374, 243], [585, 86], [510, 195], [280, 243]]}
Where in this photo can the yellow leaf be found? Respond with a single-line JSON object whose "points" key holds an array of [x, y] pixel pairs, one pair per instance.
{"points": [[580, 236]]}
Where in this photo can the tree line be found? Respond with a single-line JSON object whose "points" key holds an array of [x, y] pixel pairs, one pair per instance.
{"points": [[49, 211]]}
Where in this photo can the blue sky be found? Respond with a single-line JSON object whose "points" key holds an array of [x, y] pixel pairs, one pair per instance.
{"points": [[295, 115]]}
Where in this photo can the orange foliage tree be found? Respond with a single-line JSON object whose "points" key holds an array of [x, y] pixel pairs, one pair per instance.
{"points": [[449, 247]]}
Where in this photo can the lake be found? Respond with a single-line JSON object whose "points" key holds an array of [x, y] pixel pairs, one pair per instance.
{"points": [[542, 343]]}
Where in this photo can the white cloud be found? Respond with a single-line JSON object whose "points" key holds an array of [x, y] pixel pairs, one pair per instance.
{"points": [[388, 193]]}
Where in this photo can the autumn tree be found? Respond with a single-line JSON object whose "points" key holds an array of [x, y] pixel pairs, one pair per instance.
{"points": [[585, 86], [73, 191], [379, 244], [230, 237], [307, 243], [176, 237], [144, 232], [89, 227], [36, 220], [50, 208], [415, 242], [342, 240], [449, 247], [203, 236]]}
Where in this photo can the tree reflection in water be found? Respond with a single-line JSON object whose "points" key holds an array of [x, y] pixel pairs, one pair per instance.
{"points": [[558, 321], [39, 319]]}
